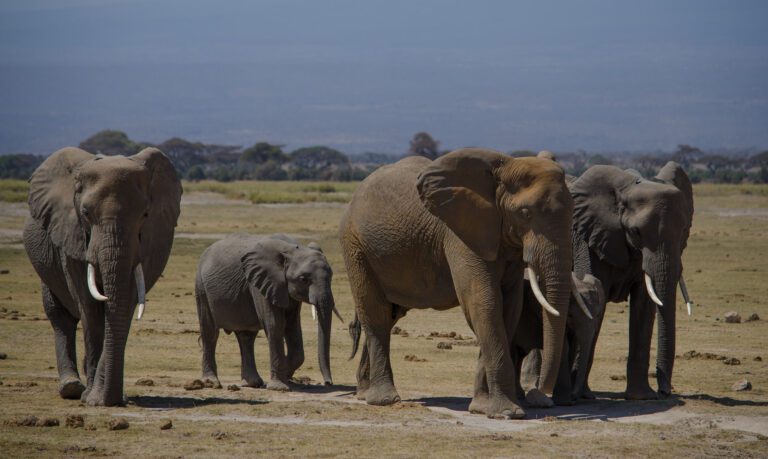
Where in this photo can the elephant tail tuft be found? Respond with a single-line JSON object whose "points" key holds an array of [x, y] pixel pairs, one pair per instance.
{"points": [[355, 330]]}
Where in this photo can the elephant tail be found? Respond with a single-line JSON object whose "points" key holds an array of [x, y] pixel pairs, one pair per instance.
{"points": [[355, 330]]}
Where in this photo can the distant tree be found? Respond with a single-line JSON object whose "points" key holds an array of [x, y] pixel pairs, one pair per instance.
{"points": [[270, 170], [685, 155], [759, 159], [19, 166], [110, 142], [196, 173], [423, 144], [184, 154], [594, 160], [262, 152], [318, 158]]}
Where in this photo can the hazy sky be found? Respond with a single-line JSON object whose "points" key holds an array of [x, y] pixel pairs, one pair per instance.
{"points": [[365, 76]]}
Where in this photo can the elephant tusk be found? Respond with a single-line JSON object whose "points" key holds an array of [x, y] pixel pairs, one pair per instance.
{"points": [[651, 291], [141, 289], [338, 314], [684, 290], [314, 312], [92, 284], [579, 299], [537, 292]]}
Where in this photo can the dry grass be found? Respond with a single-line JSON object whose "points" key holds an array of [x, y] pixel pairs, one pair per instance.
{"points": [[726, 265]]}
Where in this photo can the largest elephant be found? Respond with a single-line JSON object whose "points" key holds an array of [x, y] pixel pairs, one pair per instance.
{"points": [[99, 234], [630, 233], [460, 230]]}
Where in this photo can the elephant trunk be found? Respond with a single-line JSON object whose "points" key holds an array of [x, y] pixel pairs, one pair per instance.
{"points": [[664, 272], [325, 309]]}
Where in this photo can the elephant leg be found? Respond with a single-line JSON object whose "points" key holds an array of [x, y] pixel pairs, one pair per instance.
{"points": [[64, 328], [209, 336], [363, 372], [93, 336], [590, 358], [562, 394], [294, 340], [641, 317], [274, 327], [248, 372], [530, 369]]}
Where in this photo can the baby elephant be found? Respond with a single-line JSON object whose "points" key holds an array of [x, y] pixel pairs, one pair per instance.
{"points": [[248, 283]]}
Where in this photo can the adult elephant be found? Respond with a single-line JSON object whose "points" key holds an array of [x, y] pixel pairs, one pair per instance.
{"points": [[99, 235], [460, 230], [247, 283], [630, 233]]}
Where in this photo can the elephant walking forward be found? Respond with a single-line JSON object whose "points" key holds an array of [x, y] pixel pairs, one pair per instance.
{"points": [[460, 230], [99, 235], [248, 283]]}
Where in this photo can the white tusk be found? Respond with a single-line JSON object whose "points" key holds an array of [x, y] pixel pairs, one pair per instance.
{"points": [[141, 289], [338, 314], [651, 291], [537, 292], [92, 284], [314, 312], [684, 290], [578, 297]]}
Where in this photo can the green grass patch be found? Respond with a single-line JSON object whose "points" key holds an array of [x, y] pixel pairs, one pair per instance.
{"points": [[13, 190], [270, 192]]}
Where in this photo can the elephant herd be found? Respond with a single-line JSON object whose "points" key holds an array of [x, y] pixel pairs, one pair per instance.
{"points": [[530, 254]]}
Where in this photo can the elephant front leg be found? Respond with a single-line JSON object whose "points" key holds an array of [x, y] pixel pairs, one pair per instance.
{"points": [[294, 341], [274, 327], [363, 372], [93, 334], [250, 376], [64, 329], [641, 318]]}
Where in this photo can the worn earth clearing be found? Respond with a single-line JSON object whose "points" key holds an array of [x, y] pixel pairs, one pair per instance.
{"points": [[726, 268]]}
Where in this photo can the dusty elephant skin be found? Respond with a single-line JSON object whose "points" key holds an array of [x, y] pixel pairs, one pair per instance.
{"points": [[630, 233], [459, 230], [581, 330], [99, 236], [248, 283]]}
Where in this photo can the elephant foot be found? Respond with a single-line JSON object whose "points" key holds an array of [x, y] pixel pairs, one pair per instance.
{"points": [[360, 394], [276, 384], [96, 398], [505, 410], [538, 399], [71, 389], [212, 380], [586, 394], [256, 383], [382, 395], [480, 404], [640, 393]]}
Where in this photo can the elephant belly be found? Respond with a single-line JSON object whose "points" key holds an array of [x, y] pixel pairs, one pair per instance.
{"points": [[235, 317], [420, 288]]}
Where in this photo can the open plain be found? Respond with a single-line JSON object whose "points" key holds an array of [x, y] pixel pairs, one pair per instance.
{"points": [[726, 269]]}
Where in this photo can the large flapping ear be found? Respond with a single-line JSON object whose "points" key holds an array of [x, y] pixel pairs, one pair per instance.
{"points": [[460, 189], [673, 174], [162, 214], [597, 212], [264, 265], [52, 200]]}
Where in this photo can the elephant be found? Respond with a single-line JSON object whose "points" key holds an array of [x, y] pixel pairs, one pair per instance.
{"points": [[587, 303], [247, 283], [99, 224], [459, 230], [630, 233]]}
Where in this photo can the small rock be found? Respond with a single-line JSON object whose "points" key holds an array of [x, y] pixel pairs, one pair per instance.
{"points": [[166, 425], [618, 377], [444, 345], [741, 385], [145, 382], [3, 356], [74, 421], [758, 359], [4, 271], [47, 422], [195, 384], [29, 421], [117, 424], [396, 330], [413, 358], [732, 317], [219, 435], [233, 388], [732, 361], [752, 317]]}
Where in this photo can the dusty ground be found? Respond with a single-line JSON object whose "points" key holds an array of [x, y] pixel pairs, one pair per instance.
{"points": [[726, 266]]}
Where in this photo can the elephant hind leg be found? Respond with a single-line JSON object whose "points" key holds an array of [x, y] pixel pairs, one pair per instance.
{"points": [[209, 336], [248, 372], [64, 328]]}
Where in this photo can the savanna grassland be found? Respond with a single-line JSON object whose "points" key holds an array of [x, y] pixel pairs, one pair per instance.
{"points": [[726, 269]]}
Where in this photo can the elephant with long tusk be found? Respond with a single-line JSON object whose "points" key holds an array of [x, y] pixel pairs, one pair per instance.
{"points": [[245, 284], [108, 221]]}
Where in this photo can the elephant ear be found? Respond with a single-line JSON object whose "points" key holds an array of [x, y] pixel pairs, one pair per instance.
{"points": [[52, 200], [597, 212], [460, 189], [163, 212], [673, 174], [264, 265]]}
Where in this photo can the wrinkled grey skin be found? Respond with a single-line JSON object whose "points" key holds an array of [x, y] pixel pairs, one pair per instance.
{"points": [[577, 348], [623, 226], [248, 283], [113, 212]]}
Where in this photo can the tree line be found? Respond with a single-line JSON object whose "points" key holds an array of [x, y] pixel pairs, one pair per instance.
{"points": [[267, 161]]}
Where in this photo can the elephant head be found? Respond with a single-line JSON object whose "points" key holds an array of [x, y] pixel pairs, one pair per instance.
{"points": [[631, 223], [115, 216], [283, 271], [497, 204]]}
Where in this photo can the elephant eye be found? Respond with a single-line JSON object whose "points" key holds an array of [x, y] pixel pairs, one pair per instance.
{"points": [[304, 279], [525, 212]]}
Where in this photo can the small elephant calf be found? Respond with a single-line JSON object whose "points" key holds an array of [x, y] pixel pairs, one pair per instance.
{"points": [[247, 283]]}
